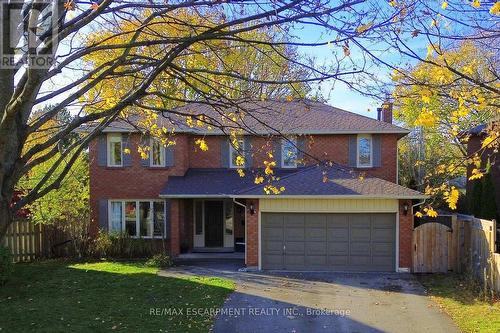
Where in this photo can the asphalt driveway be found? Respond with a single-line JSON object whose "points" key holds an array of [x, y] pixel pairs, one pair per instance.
{"points": [[323, 302]]}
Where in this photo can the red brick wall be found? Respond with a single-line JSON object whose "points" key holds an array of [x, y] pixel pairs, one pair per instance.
{"points": [[335, 148], [405, 235], [239, 219], [134, 182], [260, 146], [205, 159], [138, 182], [252, 242], [175, 222], [186, 239]]}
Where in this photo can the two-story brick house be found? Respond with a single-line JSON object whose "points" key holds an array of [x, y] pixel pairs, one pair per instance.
{"points": [[345, 215]]}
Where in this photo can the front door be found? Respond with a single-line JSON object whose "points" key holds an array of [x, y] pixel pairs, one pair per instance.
{"points": [[214, 223]]}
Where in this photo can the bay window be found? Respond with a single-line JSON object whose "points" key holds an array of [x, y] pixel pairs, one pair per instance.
{"points": [[158, 219], [137, 218], [130, 218], [116, 215]]}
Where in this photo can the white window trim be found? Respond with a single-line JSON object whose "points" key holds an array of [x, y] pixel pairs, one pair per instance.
{"points": [[137, 222], [364, 136], [227, 239], [231, 150], [162, 155], [114, 137], [294, 141]]}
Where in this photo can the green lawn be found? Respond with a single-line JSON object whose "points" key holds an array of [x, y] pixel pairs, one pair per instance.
{"points": [[104, 297], [464, 305]]}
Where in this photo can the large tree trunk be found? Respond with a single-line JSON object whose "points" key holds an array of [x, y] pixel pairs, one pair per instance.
{"points": [[10, 166], [6, 218]]}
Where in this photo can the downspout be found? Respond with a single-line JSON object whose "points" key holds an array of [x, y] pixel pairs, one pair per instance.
{"points": [[246, 240], [417, 204]]}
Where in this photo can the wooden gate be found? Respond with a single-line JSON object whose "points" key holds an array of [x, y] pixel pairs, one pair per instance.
{"points": [[433, 248]]}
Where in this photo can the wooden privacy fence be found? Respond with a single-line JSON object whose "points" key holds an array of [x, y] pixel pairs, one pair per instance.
{"points": [[457, 244], [484, 262], [28, 241], [24, 240], [438, 245]]}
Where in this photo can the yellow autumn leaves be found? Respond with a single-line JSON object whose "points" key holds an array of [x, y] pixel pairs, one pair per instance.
{"points": [[429, 211], [451, 197], [202, 144], [426, 118], [494, 10]]}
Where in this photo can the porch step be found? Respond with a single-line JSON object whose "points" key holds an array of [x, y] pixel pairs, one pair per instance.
{"points": [[213, 250], [211, 256]]}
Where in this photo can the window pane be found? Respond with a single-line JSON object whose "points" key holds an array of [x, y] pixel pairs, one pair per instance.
{"points": [[289, 153], [199, 217], [159, 219], [237, 152], [118, 153], [115, 149], [228, 218], [130, 218], [116, 216], [157, 154], [364, 151], [145, 219]]}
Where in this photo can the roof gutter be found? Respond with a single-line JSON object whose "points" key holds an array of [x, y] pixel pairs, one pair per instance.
{"points": [[311, 132], [280, 196]]}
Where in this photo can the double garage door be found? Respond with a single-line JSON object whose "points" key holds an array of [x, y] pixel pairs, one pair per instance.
{"points": [[328, 242]]}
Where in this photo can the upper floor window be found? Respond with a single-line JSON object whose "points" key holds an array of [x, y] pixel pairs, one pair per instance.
{"points": [[289, 153], [365, 151], [157, 154], [115, 157], [236, 158]]}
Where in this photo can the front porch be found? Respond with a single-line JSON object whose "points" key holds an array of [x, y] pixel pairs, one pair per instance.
{"points": [[210, 229]]}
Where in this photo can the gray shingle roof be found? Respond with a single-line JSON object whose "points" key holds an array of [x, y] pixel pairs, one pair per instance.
{"points": [[310, 181], [210, 182], [270, 117]]}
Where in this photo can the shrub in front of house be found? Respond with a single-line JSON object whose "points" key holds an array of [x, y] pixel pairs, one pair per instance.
{"points": [[121, 245], [159, 260], [6, 265]]}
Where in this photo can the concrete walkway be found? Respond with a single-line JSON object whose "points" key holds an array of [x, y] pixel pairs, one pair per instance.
{"points": [[322, 302]]}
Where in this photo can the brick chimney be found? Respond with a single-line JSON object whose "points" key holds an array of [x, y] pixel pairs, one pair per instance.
{"points": [[386, 112]]}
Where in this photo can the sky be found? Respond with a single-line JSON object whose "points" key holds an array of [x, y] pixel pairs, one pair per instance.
{"points": [[336, 93]]}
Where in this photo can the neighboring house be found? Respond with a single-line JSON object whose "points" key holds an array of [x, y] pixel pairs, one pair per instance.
{"points": [[350, 215], [476, 136]]}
